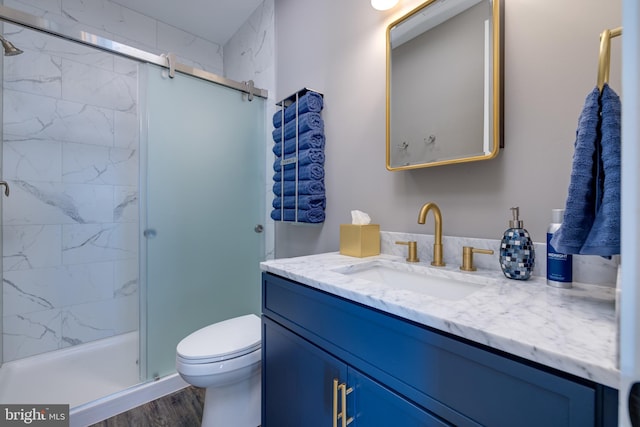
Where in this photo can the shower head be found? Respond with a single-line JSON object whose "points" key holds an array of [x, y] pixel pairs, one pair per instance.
{"points": [[9, 48]]}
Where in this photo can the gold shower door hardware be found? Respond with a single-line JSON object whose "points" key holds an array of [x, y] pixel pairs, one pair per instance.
{"points": [[342, 390]]}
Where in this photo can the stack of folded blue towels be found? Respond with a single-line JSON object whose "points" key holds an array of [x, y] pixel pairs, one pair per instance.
{"points": [[304, 173]]}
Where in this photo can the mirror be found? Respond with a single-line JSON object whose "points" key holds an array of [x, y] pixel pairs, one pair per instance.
{"points": [[444, 88]]}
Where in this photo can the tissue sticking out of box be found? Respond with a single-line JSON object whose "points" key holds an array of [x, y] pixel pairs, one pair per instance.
{"points": [[360, 218], [360, 239]]}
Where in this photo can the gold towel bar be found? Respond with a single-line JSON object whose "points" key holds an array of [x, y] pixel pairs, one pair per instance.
{"points": [[604, 61]]}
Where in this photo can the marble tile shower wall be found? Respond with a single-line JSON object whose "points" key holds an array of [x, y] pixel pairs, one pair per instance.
{"points": [[71, 157], [249, 54], [70, 226], [115, 22]]}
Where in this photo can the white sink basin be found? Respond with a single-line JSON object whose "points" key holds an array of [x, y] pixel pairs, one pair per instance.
{"points": [[424, 280]]}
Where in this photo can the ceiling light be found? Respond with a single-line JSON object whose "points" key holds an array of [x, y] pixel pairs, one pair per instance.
{"points": [[383, 4]]}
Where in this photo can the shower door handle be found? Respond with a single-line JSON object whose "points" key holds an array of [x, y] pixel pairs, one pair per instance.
{"points": [[6, 187]]}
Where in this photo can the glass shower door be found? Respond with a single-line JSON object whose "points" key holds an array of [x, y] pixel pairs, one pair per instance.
{"points": [[204, 198]]}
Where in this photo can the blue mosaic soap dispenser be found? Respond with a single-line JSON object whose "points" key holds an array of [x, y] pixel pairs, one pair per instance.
{"points": [[517, 255]]}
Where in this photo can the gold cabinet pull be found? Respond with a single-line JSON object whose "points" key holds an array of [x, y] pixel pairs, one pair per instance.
{"points": [[342, 390], [335, 402], [343, 414]]}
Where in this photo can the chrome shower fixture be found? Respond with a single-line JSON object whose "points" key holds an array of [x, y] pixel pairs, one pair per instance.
{"points": [[9, 48]]}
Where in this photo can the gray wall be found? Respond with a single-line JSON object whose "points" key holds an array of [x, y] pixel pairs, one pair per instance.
{"points": [[338, 48]]}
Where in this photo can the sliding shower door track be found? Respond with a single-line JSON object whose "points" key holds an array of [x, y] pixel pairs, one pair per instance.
{"points": [[23, 19]]}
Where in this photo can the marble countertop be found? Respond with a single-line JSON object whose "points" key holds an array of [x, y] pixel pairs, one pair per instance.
{"points": [[573, 330]]}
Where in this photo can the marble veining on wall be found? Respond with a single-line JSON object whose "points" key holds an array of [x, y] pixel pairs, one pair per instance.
{"points": [[248, 55], [118, 23], [71, 153], [70, 225]]}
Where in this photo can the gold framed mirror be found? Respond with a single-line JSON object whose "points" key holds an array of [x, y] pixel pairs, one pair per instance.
{"points": [[444, 84]]}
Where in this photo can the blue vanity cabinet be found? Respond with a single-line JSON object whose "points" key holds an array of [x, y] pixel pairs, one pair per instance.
{"points": [[300, 383], [402, 373], [372, 404], [298, 380]]}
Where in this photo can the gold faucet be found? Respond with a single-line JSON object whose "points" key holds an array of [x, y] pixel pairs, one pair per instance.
{"points": [[437, 244], [467, 257], [413, 250]]}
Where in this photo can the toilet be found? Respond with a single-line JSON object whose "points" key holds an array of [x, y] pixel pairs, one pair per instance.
{"points": [[225, 359]]}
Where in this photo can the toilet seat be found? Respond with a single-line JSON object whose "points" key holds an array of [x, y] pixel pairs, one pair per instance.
{"points": [[221, 341]]}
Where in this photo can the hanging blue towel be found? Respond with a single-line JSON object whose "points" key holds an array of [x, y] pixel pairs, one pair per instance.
{"points": [[304, 215], [308, 187], [304, 202], [311, 171], [580, 206], [305, 157], [604, 237], [306, 122], [310, 101], [309, 139]]}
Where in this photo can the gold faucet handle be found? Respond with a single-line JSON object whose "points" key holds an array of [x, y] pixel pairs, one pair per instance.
{"points": [[413, 250], [467, 257]]}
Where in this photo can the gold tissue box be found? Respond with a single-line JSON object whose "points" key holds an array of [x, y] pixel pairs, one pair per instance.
{"points": [[360, 240]]}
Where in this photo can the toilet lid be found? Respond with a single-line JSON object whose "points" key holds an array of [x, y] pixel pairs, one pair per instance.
{"points": [[223, 340]]}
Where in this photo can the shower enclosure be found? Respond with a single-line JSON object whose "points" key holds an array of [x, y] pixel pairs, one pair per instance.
{"points": [[204, 209], [134, 213]]}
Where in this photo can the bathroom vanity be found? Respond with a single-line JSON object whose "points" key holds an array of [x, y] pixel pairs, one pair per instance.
{"points": [[341, 350]]}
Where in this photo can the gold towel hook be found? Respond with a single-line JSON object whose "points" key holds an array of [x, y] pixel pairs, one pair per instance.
{"points": [[604, 60]]}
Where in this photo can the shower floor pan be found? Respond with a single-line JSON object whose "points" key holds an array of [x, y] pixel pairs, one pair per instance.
{"points": [[74, 375]]}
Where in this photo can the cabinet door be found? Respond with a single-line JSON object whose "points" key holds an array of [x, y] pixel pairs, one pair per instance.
{"points": [[372, 405], [297, 380], [297, 386]]}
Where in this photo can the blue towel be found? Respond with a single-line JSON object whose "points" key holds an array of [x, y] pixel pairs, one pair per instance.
{"points": [[304, 202], [310, 139], [311, 171], [580, 206], [304, 215], [308, 187], [305, 157], [306, 122], [310, 101], [604, 237]]}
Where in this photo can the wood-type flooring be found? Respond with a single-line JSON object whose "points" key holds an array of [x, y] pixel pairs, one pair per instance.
{"points": [[180, 409]]}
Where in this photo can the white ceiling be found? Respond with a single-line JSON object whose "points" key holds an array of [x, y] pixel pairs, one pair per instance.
{"points": [[213, 20]]}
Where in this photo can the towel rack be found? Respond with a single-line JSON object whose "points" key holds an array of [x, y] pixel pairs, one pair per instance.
{"points": [[604, 60], [293, 158]]}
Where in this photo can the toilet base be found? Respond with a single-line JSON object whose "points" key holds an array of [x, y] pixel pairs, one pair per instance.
{"points": [[237, 404]]}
